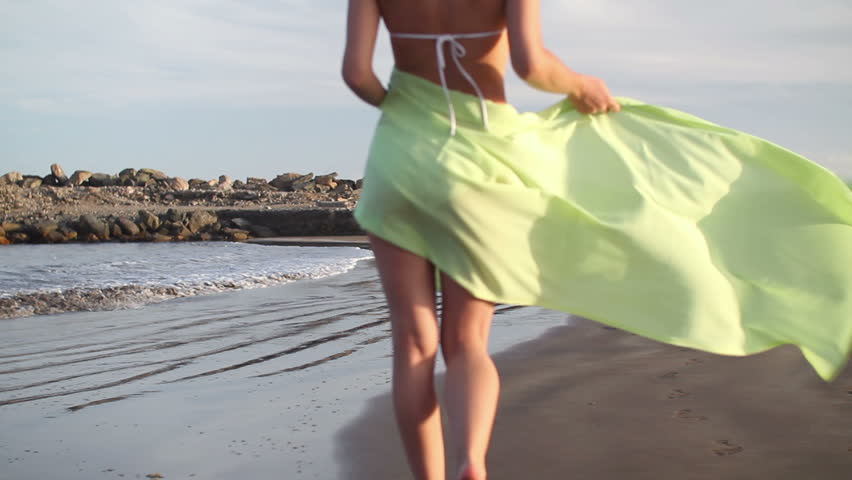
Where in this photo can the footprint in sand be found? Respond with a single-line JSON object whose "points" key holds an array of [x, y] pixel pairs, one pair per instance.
{"points": [[726, 447], [687, 414], [669, 375], [677, 393]]}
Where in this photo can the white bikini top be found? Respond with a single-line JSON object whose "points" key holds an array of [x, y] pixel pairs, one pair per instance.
{"points": [[457, 51]]}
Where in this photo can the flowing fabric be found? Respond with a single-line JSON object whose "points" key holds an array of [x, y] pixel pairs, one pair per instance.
{"points": [[650, 220]]}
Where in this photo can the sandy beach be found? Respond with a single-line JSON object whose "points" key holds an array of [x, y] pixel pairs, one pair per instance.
{"points": [[252, 384], [590, 402]]}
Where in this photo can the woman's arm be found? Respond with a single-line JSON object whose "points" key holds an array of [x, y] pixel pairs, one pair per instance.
{"points": [[542, 69], [362, 26]]}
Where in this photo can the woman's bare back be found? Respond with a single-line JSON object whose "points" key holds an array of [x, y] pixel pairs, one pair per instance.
{"points": [[485, 58]]}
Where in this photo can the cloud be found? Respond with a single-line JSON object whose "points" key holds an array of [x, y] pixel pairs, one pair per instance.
{"points": [[91, 55]]}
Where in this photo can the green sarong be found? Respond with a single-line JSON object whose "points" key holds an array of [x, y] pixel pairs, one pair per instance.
{"points": [[650, 220]]}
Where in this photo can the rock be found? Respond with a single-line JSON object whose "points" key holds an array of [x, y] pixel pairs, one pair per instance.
{"points": [[175, 216], [224, 179], [344, 187], [239, 185], [11, 178], [155, 174], [55, 237], [331, 204], [127, 177], [284, 181], [241, 223], [69, 234], [198, 183], [31, 181], [5, 241], [303, 183], [57, 171], [359, 184], [255, 181], [79, 177], [159, 237], [127, 227], [19, 237], [327, 179], [143, 179], [303, 186], [2, 232], [199, 220], [12, 227], [261, 231], [43, 229], [149, 220], [174, 228], [50, 181], [101, 180], [89, 224], [177, 184], [236, 234], [115, 230]]}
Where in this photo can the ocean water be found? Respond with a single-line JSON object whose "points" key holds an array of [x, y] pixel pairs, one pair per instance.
{"points": [[42, 279]]}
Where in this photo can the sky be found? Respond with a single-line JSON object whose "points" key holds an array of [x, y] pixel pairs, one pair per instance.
{"points": [[201, 88]]}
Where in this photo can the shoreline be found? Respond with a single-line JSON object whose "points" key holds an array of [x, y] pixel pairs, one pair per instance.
{"points": [[589, 401], [252, 383]]}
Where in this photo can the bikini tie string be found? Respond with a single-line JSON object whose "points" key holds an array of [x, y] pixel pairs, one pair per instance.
{"points": [[457, 52]]}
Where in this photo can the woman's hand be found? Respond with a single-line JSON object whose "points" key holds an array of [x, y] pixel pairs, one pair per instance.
{"points": [[592, 96]]}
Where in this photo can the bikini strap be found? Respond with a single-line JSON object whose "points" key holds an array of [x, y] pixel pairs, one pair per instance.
{"points": [[457, 51]]}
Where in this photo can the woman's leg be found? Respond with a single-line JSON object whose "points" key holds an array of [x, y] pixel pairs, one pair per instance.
{"points": [[409, 284], [472, 384]]}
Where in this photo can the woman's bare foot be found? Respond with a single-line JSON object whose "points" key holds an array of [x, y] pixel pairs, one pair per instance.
{"points": [[469, 472]]}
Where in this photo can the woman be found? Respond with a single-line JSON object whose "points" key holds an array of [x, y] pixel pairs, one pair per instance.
{"points": [[645, 219]]}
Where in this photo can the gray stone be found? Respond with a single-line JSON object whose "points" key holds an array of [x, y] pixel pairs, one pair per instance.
{"points": [[225, 179], [101, 180], [57, 171], [197, 221], [255, 181], [175, 216], [238, 185], [149, 220], [359, 184], [241, 223], [79, 177], [127, 226], [115, 230], [50, 181], [11, 178], [89, 224], [331, 204], [197, 183], [177, 184]]}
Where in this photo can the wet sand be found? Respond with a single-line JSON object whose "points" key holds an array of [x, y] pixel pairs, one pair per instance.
{"points": [[591, 402], [250, 384]]}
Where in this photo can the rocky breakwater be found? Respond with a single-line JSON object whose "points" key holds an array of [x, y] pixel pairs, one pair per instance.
{"points": [[148, 205]]}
